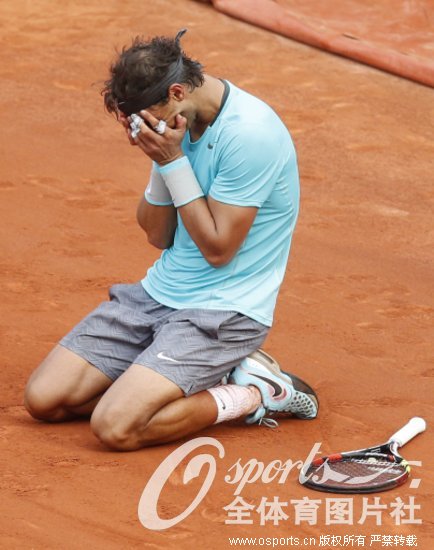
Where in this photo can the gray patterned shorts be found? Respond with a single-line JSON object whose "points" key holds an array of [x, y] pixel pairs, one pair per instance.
{"points": [[194, 348]]}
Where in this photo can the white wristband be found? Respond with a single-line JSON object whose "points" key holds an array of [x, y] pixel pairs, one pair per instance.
{"points": [[157, 193], [181, 181]]}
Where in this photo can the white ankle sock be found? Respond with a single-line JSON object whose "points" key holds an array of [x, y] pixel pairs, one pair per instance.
{"points": [[234, 401]]}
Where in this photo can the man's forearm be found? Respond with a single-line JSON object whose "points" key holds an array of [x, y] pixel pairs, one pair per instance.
{"points": [[156, 213], [218, 229], [158, 222]]}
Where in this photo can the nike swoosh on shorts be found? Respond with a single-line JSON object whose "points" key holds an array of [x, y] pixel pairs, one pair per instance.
{"points": [[162, 356]]}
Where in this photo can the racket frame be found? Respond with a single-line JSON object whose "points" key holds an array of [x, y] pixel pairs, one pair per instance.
{"points": [[387, 451]]}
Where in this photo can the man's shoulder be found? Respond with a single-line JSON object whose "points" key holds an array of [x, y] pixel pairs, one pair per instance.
{"points": [[245, 103], [247, 114]]}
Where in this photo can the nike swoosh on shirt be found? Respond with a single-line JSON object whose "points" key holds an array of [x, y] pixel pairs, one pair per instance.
{"points": [[162, 356]]}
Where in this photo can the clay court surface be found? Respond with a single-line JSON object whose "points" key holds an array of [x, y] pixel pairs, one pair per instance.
{"points": [[355, 314]]}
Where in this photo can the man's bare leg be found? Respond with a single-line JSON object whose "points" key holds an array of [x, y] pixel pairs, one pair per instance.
{"points": [[183, 417], [139, 409], [64, 387], [144, 408]]}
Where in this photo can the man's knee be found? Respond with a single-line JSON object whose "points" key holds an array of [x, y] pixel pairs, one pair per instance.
{"points": [[110, 429], [118, 431], [47, 400], [63, 383], [41, 403]]}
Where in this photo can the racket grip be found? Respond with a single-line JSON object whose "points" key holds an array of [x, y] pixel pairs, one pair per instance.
{"points": [[413, 427]]}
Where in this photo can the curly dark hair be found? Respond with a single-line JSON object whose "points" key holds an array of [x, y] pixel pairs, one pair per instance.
{"points": [[143, 72]]}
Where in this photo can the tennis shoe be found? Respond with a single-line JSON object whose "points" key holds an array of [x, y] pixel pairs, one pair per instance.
{"points": [[282, 393]]}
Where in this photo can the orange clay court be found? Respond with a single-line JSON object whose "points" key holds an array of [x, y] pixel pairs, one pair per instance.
{"points": [[355, 312]]}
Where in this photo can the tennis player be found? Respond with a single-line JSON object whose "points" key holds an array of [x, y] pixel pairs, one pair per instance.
{"points": [[179, 350]]}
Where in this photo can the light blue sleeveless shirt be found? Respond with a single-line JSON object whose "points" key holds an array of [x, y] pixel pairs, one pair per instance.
{"points": [[245, 158]]}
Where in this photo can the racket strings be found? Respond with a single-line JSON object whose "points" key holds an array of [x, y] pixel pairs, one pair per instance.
{"points": [[377, 462], [355, 473]]}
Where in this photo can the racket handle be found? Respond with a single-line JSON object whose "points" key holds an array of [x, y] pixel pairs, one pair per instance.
{"points": [[413, 427]]}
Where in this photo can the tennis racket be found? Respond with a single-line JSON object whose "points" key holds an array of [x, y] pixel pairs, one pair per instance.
{"points": [[364, 471]]}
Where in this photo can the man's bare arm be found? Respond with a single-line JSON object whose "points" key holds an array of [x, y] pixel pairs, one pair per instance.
{"points": [[158, 222], [218, 229]]}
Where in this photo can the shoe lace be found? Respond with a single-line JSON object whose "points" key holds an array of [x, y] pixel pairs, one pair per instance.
{"points": [[268, 422]]}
